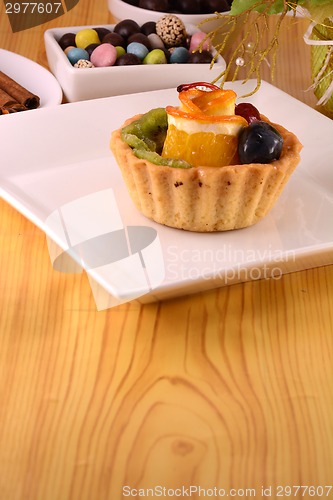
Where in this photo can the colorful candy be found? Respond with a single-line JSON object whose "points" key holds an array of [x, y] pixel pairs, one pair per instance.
{"points": [[120, 51], [171, 30], [104, 55], [85, 37], [155, 41], [166, 41], [179, 55], [138, 49], [199, 40], [156, 56], [76, 53], [83, 63]]}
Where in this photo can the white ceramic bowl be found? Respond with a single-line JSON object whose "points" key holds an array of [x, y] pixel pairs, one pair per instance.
{"points": [[82, 84], [122, 10]]}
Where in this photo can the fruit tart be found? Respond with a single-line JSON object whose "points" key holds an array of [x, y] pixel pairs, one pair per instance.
{"points": [[206, 165]]}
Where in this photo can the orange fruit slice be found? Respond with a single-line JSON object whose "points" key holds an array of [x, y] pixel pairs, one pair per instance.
{"points": [[201, 148], [204, 129], [217, 102]]}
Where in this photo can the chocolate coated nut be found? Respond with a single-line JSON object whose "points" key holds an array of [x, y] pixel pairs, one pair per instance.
{"points": [[126, 28], [101, 32], [91, 48], [115, 39], [128, 60], [140, 38], [200, 57], [156, 5], [67, 40], [148, 28]]}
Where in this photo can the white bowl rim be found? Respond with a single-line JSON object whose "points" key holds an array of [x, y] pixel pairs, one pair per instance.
{"points": [[185, 17]]}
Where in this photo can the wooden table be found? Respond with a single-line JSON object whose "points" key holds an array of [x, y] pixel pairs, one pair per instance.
{"points": [[231, 388]]}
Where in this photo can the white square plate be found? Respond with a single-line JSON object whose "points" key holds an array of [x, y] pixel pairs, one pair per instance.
{"points": [[57, 170]]}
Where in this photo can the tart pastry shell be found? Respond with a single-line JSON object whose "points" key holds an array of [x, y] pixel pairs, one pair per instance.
{"points": [[206, 199]]}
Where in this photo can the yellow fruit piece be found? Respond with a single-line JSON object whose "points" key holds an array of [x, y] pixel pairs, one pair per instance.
{"points": [[215, 103], [218, 103], [201, 148]]}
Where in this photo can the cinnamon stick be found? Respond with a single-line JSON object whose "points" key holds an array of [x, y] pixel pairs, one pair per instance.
{"points": [[6, 99], [8, 111], [18, 93], [7, 102]]}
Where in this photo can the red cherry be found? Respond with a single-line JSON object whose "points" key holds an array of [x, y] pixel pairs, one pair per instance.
{"points": [[247, 111]]}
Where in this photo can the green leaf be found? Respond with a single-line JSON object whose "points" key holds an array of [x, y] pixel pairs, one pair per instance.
{"points": [[319, 9], [318, 3], [240, 6], [277, 7]]}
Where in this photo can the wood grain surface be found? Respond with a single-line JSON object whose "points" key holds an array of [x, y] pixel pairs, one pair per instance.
{"points": [[229, 389]]}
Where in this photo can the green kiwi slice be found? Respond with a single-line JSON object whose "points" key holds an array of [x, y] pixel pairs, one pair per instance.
{"points": [[146, 137]]}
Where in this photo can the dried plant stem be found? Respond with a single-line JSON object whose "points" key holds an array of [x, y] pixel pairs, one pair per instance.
{"points": [[252, 57]]}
